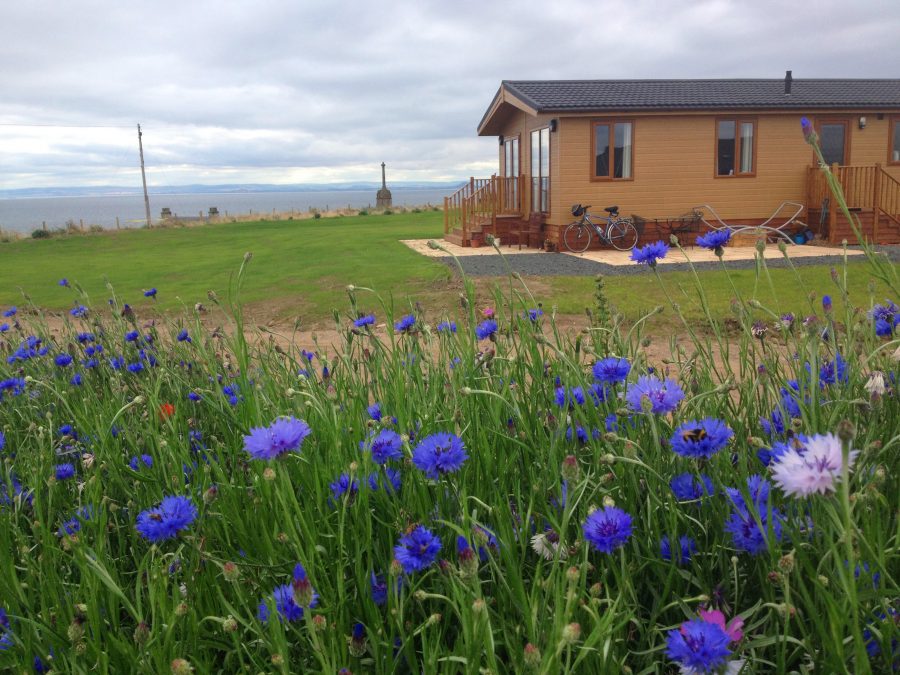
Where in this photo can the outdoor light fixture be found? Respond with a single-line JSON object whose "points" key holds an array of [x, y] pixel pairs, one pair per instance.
{"points": [[862, 122], [553, 124], [501, 139]]}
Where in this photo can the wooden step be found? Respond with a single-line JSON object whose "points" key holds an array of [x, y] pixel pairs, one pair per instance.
{"points": [[455, 237]]}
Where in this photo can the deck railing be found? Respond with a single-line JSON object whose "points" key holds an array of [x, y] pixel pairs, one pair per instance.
{"points": [[479, 201], [865, 188]]}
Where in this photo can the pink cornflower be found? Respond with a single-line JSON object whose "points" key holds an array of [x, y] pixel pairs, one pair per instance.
{"points": [[488, 312], [814, 467], [732, 630]]}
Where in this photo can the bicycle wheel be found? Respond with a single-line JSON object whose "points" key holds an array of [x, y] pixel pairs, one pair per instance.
{"points": [[622, 234], [577, 237]]}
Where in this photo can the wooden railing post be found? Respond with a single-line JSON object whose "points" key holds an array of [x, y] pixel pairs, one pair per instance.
{"points": [[446, 215], [876, 202], [832, 211]]}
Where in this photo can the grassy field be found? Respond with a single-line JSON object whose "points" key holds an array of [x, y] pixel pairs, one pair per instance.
{"points": [[303, 267]]}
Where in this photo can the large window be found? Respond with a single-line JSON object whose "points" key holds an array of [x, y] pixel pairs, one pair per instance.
{"points": [[511, 174], [735, 147], [612, 149], [540, 170], [894, 144]]}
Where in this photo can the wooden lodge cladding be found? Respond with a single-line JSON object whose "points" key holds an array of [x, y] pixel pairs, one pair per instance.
{"points": [[658, 149]]}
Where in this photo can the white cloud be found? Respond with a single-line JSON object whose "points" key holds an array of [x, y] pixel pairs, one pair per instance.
{"points": [[286, 91]]}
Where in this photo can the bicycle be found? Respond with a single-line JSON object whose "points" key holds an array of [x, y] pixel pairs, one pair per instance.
{"points": [[620, 233]]}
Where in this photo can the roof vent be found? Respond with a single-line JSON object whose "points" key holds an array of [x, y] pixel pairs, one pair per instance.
{"points": [[787, 82]]}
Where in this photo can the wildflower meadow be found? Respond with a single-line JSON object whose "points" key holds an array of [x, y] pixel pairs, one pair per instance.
{"points": [[477, 493]]}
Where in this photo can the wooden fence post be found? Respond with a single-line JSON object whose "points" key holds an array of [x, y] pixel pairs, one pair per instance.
{"points": [[876, 202]]}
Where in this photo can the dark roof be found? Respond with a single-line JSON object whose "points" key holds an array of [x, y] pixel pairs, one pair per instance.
{"points": [[806, 94]]}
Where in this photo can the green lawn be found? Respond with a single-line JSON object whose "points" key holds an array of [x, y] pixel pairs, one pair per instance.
{"points": [[302, 267], [298, 266]]}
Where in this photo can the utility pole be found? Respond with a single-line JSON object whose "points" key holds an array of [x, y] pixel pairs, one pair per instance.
{"points": [[144, 177]]}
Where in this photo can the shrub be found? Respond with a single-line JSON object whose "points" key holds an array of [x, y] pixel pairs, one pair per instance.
{"points": [[41, 234]]}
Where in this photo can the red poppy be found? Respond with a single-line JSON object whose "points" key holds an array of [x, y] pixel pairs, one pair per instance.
{"points": [[166, 410]]}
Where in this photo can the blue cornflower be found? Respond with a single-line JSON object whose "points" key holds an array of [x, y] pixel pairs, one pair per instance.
{"points": [[664, 397], [769, 455], [73, 525], [84, 338], [64, 471], [439, 454], [534, 314], [699, 646], [18, 491], [131, 336], [485, 329], [62, 360], [2, 440], [384, 446], [834, 371], [286, 434], [569, 398], [193, 396], [788, 407], [374, 411], [607, 529], [886, 318], [379, 589], [750, 523], [285, 605], [5, 633], [93, 350], [76, 380], [64, 282], [714, 240], [135, 367], [391, 481], [79, 311], [688, 488], [4, 327], [117, 362], [649, 254], [417, 550], [700, 439], [873, 644], [448, 326], [826, 303], [13, 385], [344, 485], [686, 548], [10, 312], [405, 324], [68, 430], [151, 293], [611, 370], [136, 462], [167, 519], [363, 321], [183, 336]]}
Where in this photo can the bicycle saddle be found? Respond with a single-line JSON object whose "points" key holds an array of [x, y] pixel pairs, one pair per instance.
{"points": [[611, 209]]}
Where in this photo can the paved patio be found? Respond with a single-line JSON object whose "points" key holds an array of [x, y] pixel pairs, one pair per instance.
{"points": [[696, 255]]}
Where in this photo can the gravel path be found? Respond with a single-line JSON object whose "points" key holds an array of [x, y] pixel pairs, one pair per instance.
{"points": [[558, 264]]}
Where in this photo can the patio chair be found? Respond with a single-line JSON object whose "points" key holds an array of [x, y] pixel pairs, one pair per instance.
{"points": [[778, 231]]}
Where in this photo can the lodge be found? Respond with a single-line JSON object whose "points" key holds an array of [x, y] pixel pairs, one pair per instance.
{"points": [[665, 151]]}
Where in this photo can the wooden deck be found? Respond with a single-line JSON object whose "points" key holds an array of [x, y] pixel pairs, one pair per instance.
{"points": [[498, 206]]}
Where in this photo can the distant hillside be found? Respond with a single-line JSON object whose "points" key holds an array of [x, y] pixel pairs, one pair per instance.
{"points": [[113, 190]]}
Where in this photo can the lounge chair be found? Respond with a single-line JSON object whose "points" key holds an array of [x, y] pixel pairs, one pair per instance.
{"points": [[773, 230]]}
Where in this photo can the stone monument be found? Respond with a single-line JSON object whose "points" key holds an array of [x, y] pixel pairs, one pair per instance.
{"points": [[383, 198]]}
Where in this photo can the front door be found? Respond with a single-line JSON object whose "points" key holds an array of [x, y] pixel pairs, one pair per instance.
{"points": [[834, 139]]}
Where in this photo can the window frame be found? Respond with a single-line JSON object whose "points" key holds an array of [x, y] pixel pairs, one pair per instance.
{"points": [[738, 120], [893, 126], [611, 123], [848, 131], [540, 176], [506, 141]]}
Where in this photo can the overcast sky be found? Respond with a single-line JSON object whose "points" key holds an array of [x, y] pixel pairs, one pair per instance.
{"points": [[287, 91]]}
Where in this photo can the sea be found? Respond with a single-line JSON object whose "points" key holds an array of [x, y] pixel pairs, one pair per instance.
{"points": [[26, 214]]}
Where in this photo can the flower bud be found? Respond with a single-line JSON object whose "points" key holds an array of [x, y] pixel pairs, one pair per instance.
{"points": [[787, 562], [230, 571], [532, 656], [210, 495], [141, 633], [320, 622], [571, 633], [181, 667], [181, 609], [573, 574], [277, 660], [357, 643], [608, 502], [230, 625], [846, 431], [570, 469], [479, 606], [434, 619]]}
